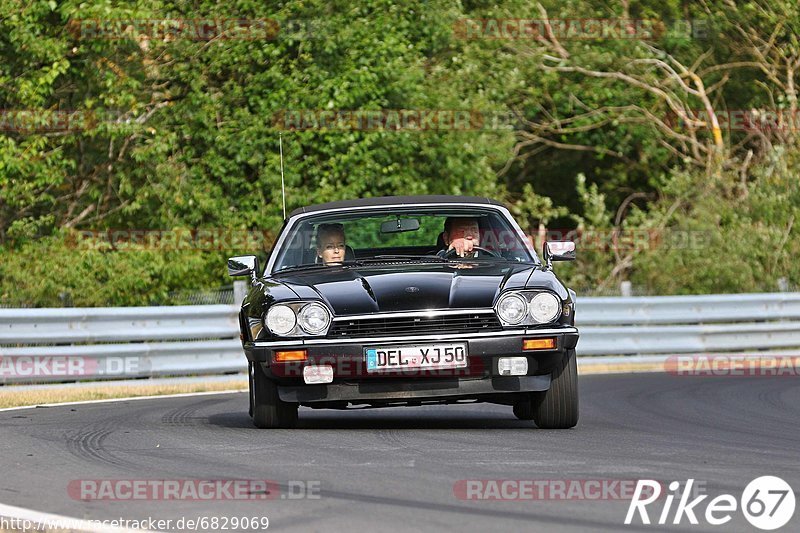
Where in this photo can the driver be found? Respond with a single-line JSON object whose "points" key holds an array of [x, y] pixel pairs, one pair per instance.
{"points": [[461, 234]]}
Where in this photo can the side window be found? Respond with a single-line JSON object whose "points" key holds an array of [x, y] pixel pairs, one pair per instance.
{"points": [[297, 250]]}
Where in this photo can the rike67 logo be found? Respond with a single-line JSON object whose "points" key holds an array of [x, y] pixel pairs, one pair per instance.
{"points": [[767, 502]]}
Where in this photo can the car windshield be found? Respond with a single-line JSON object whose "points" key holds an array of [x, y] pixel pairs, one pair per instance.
{"points": [[358, 237]]}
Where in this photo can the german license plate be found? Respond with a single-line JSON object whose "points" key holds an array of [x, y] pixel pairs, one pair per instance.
{"points": [[435, 356]]}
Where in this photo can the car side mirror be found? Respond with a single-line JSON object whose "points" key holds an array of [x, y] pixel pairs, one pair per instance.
{"points": [[558, 251], [243, 265]]}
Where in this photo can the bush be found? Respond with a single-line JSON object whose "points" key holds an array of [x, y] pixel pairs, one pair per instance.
{"points": [[53, 272]]}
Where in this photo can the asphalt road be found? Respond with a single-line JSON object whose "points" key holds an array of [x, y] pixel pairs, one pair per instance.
{"points": [[398, 469]]}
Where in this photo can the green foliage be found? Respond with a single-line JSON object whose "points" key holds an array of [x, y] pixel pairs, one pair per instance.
{"points": [[747, 245], [55, 270], [169, 132]]}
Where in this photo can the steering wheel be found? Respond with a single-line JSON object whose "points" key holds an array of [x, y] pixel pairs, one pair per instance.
{"points": [[452, 251]]}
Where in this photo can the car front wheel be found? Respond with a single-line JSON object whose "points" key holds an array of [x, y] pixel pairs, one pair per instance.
{"points": [[557, 407], [268, 410]]}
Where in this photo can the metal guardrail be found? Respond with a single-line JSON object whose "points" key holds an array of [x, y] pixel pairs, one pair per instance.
{"points": [[116, 324], [100, 343], [39, 345], [645, 310], [688, 324]]}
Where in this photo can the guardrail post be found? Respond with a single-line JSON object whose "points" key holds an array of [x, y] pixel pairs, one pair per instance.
{"points": [[626, 289]]}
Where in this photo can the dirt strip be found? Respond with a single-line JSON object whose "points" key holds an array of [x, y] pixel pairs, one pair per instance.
{"points": [[9, 397]]}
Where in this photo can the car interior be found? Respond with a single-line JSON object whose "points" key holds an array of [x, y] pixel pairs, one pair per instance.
{"points": [[302, 250]]}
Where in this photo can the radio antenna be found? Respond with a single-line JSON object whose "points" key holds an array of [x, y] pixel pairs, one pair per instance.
{"points": [[283, 186]]}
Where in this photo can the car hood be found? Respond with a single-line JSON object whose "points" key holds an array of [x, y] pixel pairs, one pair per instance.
{"points": [[410, 287]]}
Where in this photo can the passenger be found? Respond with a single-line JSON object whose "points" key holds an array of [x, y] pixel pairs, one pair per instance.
{"points": [[330, 243]]}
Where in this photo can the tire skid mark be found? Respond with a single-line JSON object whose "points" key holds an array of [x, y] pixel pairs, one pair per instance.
{"points": [[185, 416], [88, 443]]}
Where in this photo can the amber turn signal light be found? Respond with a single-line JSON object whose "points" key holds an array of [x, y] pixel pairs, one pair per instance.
{"points": [[291, 355], [548, 343]]}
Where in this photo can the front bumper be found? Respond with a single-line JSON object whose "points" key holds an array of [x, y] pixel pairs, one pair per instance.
{"points": [[409, 390], [347, 356]]}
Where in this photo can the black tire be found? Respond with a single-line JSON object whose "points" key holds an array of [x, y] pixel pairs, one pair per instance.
{"points": [[557, 407], [268, 410], [524, 409], [251, 392]]}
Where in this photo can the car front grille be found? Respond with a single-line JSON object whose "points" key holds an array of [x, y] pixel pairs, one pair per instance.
{"points": [[415, 325]]}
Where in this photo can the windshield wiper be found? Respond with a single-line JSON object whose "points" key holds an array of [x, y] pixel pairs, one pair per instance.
{"points": [[384, 258], [317, 266], [295, 268]]}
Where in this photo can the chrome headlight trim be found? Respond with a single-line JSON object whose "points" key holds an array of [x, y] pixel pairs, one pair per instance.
{"points": [[505, 308], [314, 311], [528, 296], [299, 329], [281, 320], [544, 307]]}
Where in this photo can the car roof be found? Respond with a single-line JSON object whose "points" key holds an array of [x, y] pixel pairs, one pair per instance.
{"points": [[396, 200]]}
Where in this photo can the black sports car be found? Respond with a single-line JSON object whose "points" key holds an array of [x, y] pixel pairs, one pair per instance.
{"points": [[408, 301]]}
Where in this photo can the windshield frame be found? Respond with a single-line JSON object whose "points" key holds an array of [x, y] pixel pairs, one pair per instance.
{"points": [[398, 209]]}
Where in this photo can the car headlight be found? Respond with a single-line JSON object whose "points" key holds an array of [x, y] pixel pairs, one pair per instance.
{"points": [[512, 308], [544, 307], [281, 319], [314, 318]]}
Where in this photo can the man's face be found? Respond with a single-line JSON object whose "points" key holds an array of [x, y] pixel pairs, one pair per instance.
{"points": [[331, 248], [463, 228]]}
